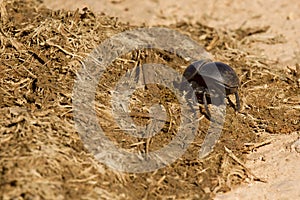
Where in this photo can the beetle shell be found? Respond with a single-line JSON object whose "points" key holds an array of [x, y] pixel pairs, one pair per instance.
{"points": [[209, 74], [212, 80]]}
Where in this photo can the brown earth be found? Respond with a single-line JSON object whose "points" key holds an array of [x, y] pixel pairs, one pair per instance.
{"points": [[42, 156]]}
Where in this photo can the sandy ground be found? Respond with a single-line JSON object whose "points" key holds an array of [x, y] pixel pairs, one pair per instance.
{"points": [[278, 162]]}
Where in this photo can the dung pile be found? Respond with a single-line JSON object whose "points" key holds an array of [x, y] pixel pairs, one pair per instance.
{"points": [[41, 154]]}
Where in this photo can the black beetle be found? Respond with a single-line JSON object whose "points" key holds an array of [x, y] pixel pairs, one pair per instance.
{"points": [[212, 80]]}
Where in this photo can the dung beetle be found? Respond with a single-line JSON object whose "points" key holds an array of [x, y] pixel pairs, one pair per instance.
{"points": [[212, 80]]}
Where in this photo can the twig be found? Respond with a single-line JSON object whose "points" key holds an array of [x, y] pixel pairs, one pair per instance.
{"points": [[258, 145], [253, 176], [63, 50]]}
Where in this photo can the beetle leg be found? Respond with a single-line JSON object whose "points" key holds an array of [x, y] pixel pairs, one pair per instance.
{"points": [[238, 103], [205, 104]]}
